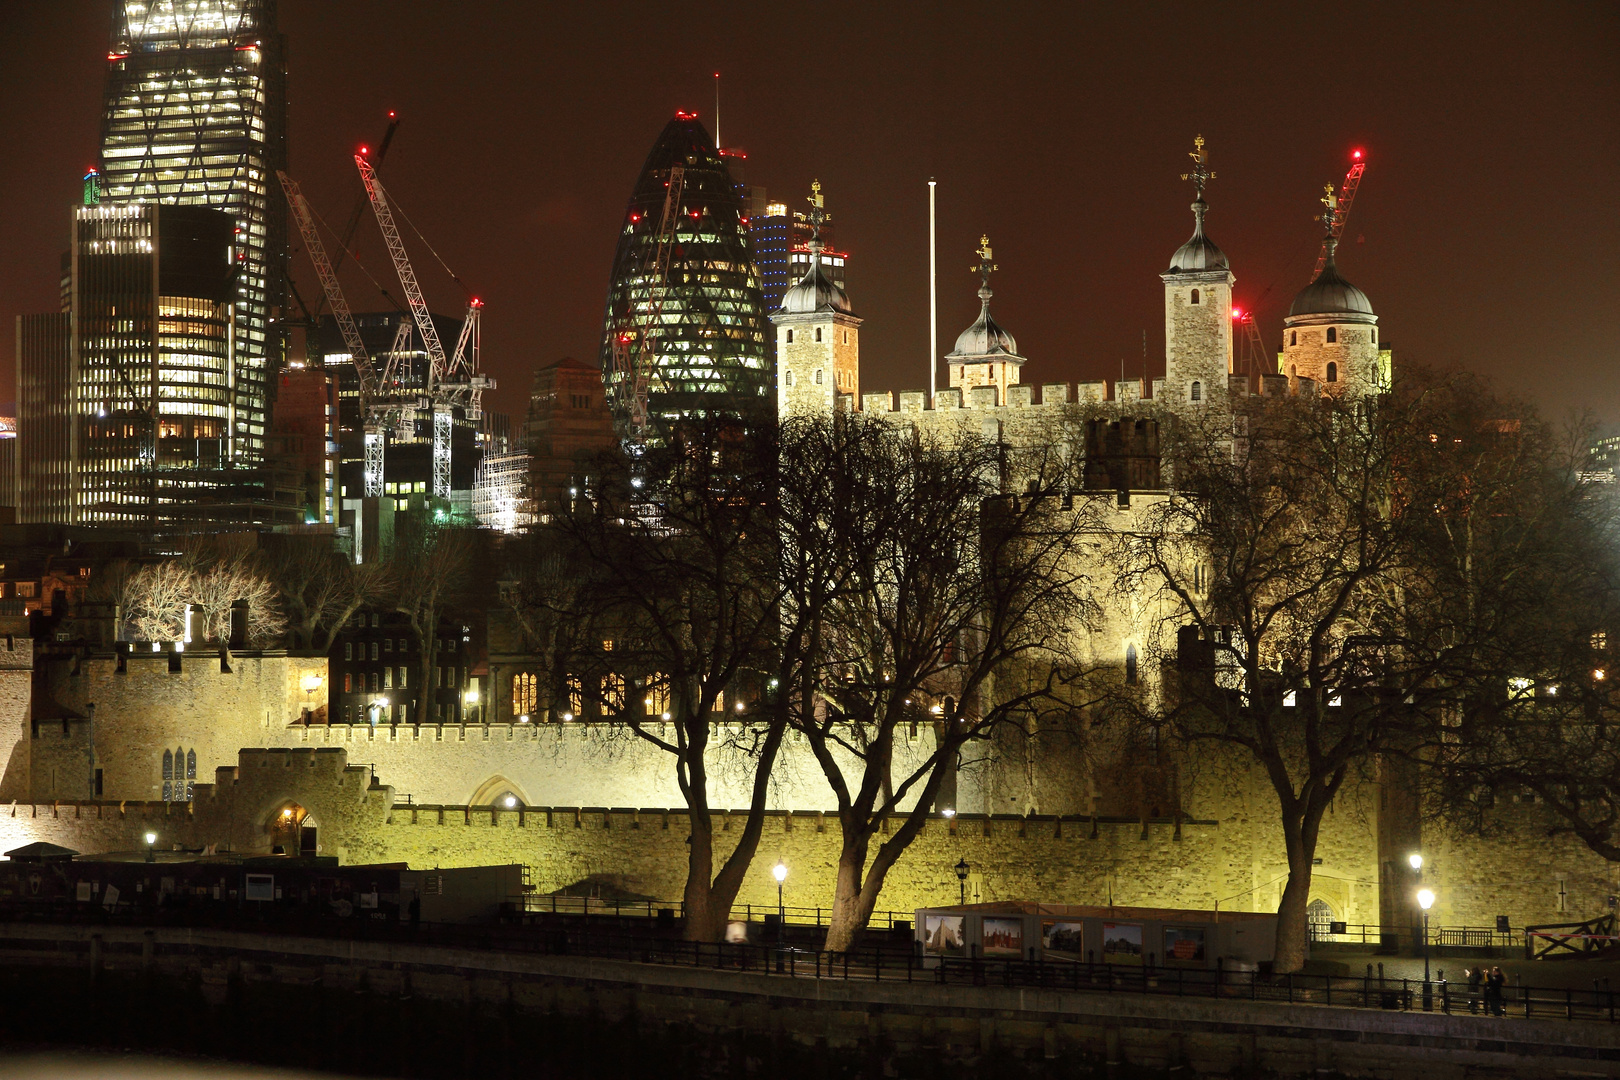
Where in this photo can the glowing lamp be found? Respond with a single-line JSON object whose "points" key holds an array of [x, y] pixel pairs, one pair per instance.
{"points": [[511, 801], [1416, 861], [311, 682], [365, 150], [1356, 154], [947, 813], [1237, 313], [779, 872], [666, 716], [741, 707], [151, 838], [1425, 899], [471, 695]]}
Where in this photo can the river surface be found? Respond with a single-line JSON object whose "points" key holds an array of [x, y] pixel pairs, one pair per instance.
{"points": [[102, 1065]]}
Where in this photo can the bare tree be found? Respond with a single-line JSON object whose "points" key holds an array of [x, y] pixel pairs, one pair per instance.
{"points": [[433, 572], [673, 562], [957, 608], [321, 588]]}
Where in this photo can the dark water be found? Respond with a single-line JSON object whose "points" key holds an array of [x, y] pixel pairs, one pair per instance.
{"points": [[130, 1065]]}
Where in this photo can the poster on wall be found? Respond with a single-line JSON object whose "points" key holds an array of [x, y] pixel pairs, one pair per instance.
{"points": [[942, 935], [1004, 937], [1062, 940], [1184, 944], [1122, 943]]}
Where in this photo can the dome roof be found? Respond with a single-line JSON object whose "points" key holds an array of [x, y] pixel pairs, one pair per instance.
{"points": [[815, 292], [985, 337], [1330, 294], [1200, 252]]}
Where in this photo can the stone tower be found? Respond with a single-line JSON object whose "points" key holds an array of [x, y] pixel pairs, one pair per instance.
{"points": [[985, 354], [1331, 333], [818, 338], [1197, 309]]}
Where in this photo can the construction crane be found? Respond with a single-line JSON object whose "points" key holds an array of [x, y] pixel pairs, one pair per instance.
{"points": [[449, 381], [633, 353], [1347, 195]]}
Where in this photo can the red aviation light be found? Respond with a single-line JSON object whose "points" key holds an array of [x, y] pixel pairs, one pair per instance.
{"points": [[364, 150], [118, 56], [1237, 313], [477, 302], [391, 114], [1356, 154]]}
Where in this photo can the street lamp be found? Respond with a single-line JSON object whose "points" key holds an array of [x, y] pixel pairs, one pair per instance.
{"points": [[1425, 899], [151, 854], [779, 872], [1416, 862], [961, 881]]}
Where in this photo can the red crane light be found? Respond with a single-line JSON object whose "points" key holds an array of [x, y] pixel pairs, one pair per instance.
{"points": [[1237, 313], [1356, 154], [365, 150], [390, 114]]}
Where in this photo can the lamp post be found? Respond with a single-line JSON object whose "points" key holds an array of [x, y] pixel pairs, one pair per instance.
{"points": [[779, 872], [1425, 899], [151, 851], [961, 882]]}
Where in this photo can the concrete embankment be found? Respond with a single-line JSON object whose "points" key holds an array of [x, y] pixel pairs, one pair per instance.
{"points": [[501, 1009]]}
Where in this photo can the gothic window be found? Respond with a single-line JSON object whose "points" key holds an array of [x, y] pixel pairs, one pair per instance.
{"points": [[613, 692], [790, 335], [846, 337], [1130, 665], [1332, 369], [818, 333], [1293, 337], [789, 378], [1333, 335], [191, 773], [168, 775], [525, 693], [576, 694], [657, 699], [818, 376], [1197, 391], [1195, 296]]}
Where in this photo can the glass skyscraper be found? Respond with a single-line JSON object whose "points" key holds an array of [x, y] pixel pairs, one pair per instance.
{"points": [[195, 114], [685, 334]]}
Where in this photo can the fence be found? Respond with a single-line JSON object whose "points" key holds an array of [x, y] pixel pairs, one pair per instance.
{"points": [[795, 916], [1371, 934]]}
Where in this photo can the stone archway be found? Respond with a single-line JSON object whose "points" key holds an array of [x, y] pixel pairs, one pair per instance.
{"points": [[500, 793], [293, 830], [1319, 919]]}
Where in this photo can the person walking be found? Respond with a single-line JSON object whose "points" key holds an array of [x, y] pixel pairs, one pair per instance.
{"points": [[1495, 999], [1476, 976]]}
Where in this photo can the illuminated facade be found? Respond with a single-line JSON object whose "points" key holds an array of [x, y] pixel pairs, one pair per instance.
{"points": [[195, 115], [685, 332], [772, 237]]}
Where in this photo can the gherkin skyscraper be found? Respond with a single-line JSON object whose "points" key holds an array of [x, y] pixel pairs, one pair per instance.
{"points": [[685, 336]]}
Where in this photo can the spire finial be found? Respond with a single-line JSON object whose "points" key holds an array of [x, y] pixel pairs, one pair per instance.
{"points": [[818, 215], [1330, 219], [985, 267], [1201, 174]]}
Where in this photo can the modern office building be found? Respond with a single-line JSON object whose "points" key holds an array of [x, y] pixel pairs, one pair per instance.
{"points": [[685, 332], [195, 115]]}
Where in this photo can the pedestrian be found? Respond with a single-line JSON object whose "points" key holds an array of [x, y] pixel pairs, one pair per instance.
{"points": [[1476, 976], [1495, 1000]]}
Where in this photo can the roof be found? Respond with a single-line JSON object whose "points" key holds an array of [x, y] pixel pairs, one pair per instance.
{"points": [[1330, 294], [986, 338], [1098, 911], [40, 851], [1199, 252], [815, 292]]}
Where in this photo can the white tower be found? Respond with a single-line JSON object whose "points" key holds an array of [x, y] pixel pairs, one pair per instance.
{"points": [[818, 338], [1197, 309], [1331, 333]]}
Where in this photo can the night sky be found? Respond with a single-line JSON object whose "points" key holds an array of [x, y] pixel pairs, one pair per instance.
{"points": [[1486, 232]]}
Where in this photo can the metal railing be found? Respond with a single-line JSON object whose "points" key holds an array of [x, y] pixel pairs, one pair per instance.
{"points": [[1372, 934], [793, 916]]}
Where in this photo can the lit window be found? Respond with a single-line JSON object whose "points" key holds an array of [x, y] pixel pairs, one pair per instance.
{"points": [[525, 693]]}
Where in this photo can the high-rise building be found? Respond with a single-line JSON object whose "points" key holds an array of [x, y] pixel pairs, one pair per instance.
{"points": [[772, 234], [195, 115], [685, 333]]}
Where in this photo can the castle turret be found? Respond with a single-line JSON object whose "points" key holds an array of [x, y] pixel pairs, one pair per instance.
{"points": [[818, 355], [1331, 333], [1197, 308], [985, 354]]}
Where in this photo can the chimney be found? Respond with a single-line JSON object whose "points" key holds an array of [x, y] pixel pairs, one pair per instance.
{"points": [[239, 622]]}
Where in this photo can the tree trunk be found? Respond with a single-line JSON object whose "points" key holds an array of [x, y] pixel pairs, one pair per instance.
{"points": [[847, 920], [1300, 837], [702, 923], [729, 881]]}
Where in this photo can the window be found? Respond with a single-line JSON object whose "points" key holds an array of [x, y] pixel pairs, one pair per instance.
{"points": [[388, 678], [1332, 370], [348, 681], [525, 693], [613, 692], [657, 699], [402, 670], [790, 335], [1195, 296], [846, 337], [818, 333], [1293, 337], [374, 650], [1130, 665], [348, 650], [576, 695], [818, 376], [388, 644], [1197, 391], [1375, 335], [789, 378], [1333, 335]]}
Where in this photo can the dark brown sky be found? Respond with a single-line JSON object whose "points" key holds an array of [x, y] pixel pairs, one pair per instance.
{"points": [[1485, 233]]}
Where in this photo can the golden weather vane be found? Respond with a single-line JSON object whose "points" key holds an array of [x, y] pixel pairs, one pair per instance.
{"points": [[818, 215], [1200, 174], [1330, 216], [985, 265]]}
